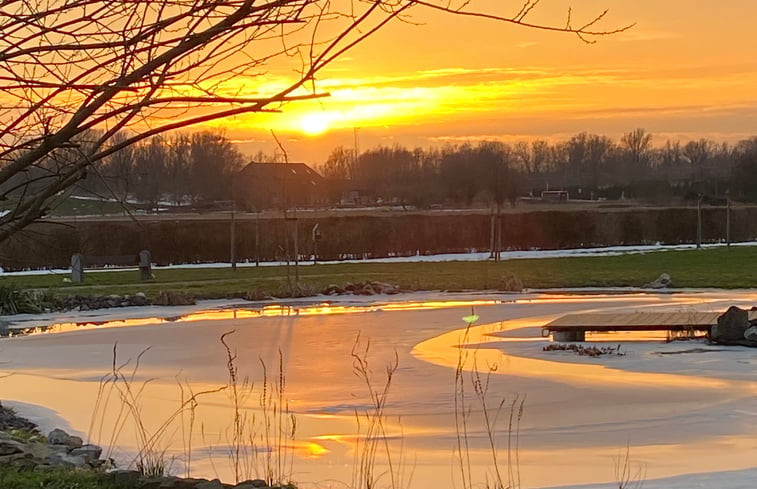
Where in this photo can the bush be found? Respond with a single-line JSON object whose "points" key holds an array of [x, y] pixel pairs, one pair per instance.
{"points": [[17, 301]]}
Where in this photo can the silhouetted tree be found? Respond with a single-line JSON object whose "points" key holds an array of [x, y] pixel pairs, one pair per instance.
{"points": [[637, 145], [148, 67]]}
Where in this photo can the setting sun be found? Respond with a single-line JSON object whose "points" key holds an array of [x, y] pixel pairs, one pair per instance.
{"points": [[314, 123]]}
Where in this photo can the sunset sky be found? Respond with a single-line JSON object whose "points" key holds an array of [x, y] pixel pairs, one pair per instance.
{"points": [[686, 70]]}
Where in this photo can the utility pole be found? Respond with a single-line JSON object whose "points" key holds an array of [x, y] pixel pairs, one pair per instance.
{"points": [[316, 235], [296, 249], [257, 238], [232, 232], [727, 220]]}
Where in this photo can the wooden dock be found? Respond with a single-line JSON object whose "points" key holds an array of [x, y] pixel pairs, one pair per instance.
{"points": [[574, 327]]}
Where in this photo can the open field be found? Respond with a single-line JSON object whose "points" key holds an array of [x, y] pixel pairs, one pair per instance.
{"points": [[719, 267]]}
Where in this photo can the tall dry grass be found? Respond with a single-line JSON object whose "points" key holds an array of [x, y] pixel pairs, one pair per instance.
{"points": [[500, 424], [372, 439], [263, 429], [119, 403]]}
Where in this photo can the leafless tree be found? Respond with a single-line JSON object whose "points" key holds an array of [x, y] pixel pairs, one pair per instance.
{"points": [[637, 144], [145, 67], [698, 153]]}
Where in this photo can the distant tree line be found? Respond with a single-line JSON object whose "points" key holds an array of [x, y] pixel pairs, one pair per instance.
{"points": [[179, 168], [198, 169], [589, 166]]}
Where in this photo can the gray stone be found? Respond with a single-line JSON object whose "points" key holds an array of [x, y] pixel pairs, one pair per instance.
{"points": [[66, 460], [384, 288], [663, 282], [8, 459], [139, 299], [731, 327], [25, 463], [57, 448], [58, 437], [10, 447], [170, 483], [333, 289], [751, 334], [251, 484], [75, 441], [125, 478], [151, 483], [177, 483], [89, 452], [214, 484]]}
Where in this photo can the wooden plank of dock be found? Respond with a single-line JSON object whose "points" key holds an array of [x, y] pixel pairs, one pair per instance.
{"points": [[575, 325]]}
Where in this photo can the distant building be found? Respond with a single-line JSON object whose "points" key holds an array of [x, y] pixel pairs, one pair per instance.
{"points": [[278, 185]]}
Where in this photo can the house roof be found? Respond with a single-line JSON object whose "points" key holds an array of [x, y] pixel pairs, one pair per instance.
{"points": [[282, 171]]}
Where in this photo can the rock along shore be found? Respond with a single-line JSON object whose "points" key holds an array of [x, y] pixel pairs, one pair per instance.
{"points": [[24, 448]]}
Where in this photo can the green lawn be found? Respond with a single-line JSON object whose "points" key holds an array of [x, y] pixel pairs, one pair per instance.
{"points": [[720, 268]]}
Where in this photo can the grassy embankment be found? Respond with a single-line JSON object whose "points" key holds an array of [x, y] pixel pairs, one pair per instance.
{"points": [[720, 268]]}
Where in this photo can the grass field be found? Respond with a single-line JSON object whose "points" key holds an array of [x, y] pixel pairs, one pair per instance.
{"points": [[721, 268]]}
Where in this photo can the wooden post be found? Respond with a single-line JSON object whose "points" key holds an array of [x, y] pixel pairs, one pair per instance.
{"points": [[233, 238], [492, 236], [728, 222], [499, 232], [296, 253], [699, 223], [316, 235], [257, 238]]}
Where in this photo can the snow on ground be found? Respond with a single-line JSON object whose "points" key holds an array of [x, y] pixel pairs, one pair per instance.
{"points": [[505, 255], [686, 410]]}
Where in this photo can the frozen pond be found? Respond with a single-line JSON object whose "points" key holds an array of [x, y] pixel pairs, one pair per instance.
{"points": [[680, 407]]}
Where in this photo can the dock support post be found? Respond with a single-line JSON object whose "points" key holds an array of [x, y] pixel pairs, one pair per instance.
{"points": [[569, 336]]}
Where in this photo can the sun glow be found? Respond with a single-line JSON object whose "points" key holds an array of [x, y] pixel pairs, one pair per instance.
{"points": [[314, 123]]}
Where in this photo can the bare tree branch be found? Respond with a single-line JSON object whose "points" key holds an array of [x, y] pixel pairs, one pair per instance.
{"points": [[73, 68]]}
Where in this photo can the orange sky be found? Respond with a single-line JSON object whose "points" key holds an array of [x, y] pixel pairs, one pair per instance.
{"points": [[687, 69]]}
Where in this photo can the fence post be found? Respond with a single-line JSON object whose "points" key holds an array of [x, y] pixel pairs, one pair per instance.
{"points": [[77, 268], [728, 223], [145, 265], [699, 222]]}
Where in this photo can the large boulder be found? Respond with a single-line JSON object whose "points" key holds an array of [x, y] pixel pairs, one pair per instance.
{"points": [[90, 452], [58, 437], [731, 328]]}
